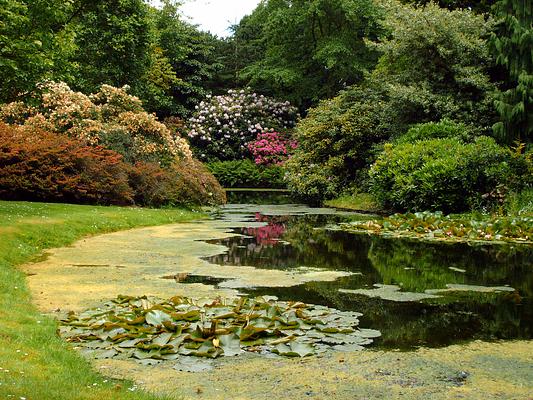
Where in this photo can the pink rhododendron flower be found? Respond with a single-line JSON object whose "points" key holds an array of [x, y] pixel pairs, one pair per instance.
{"points": [[271, 148]]}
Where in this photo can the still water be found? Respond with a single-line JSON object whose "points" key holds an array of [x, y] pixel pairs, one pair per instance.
{"points": [[397, 284]]}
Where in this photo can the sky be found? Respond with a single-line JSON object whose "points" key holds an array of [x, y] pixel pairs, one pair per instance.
{"points": [[216, 16]]}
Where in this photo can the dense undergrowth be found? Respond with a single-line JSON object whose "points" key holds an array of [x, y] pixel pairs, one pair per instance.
{"points": [[247, 174]]}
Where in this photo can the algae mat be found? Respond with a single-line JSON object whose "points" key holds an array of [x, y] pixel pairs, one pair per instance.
{"points": [[133, 262], [136, 262], [477, 371]]}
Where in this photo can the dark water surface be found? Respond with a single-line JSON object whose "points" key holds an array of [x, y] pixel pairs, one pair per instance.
{"points": [[289, 242]]}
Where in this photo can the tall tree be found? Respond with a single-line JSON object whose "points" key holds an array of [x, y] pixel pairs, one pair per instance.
{"points": [[191, 55], [437, 63], [306, 50], [113, 39], [513, 46], [35, 44]]}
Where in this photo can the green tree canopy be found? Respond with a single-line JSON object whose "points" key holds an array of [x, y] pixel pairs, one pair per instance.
{"points": [[35, 44], [434, 64], [437, 63], [306, 50], [191, 55], [479, 6], [113, 39]]}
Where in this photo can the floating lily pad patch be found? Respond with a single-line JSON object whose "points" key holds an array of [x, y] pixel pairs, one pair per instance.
{"points": [[151, 330], [449, 228]]}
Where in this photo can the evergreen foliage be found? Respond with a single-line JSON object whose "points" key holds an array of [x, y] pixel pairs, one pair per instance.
{"points": [[513, 44], [336, 140], [478, 6], [437, 65], [434, 65], [442, 174]]}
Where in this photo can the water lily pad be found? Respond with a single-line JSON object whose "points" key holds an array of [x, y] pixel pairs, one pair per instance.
{"points": [[294, 349], [162, 339], [451, 228], [180, 328], [230, 344], [105, 354], [368, 333], [156, 317]]}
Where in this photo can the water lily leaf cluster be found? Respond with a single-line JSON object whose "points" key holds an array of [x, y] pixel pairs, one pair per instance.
{"points": [[150, 330], [453, 228]]}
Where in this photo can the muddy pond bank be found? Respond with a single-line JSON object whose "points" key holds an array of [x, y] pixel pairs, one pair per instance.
{"points": [[415, 294]]}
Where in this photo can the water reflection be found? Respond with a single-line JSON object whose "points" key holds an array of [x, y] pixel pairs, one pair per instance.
{"points": [[289, 242]]}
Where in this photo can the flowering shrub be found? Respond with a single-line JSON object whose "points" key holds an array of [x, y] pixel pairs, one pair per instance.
{"points": [[111, 118], [222, 126], [271, 148], [44, 166]]}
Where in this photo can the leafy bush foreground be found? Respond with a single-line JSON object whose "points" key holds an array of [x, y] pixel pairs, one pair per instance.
{"points": [[446, 175]]}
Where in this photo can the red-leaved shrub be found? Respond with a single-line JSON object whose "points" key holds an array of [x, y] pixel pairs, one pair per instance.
{"points": [[41, 166], [186, 182]]}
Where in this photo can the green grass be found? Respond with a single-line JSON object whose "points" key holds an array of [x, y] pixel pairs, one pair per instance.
{"points": [[34, 362], [356, 202]]}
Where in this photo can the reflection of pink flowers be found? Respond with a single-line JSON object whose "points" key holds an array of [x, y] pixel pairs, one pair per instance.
{"points": [[271, 148], [267, 235]]}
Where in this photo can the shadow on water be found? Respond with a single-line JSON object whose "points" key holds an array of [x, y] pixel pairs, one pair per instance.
{"points": [[290, 242], [258, 196]]}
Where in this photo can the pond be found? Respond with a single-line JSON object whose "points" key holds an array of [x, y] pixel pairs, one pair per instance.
{"points": [[295, 253], [415, 293]]}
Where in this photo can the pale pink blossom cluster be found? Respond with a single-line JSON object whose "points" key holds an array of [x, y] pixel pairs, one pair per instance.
{"points": [[111, 112], [16, 112], [271, 148], [222, 126]]}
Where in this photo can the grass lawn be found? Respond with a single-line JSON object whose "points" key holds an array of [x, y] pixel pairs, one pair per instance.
{"points": [[357, 202], [35, 363]]}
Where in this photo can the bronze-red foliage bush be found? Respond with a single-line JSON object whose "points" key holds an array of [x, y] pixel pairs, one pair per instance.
{"points": [[41, 166], [185, 182]]}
